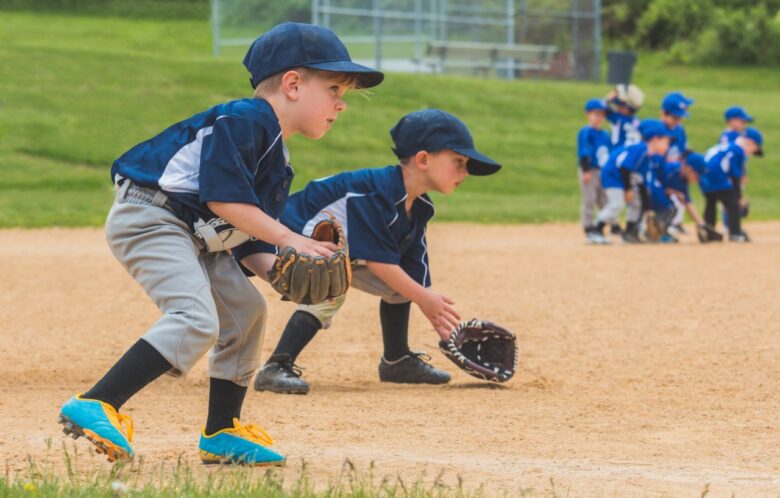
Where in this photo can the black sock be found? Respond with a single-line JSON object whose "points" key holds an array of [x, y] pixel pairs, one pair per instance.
{"points": [[139, 366], [300, 330], [600, 227], [395, 329], [225, 401]]}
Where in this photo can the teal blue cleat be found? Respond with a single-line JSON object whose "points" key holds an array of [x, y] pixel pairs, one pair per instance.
{"points": [[110, 431], [241, 444]]}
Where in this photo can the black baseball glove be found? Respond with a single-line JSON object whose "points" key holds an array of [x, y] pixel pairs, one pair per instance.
{"points": [[483, 349], [306, 279]]}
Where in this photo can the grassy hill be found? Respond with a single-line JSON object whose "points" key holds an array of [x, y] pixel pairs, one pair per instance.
{"points": [[78, 91]]}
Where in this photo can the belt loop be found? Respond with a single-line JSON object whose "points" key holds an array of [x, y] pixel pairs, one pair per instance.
{"points": [[159, 199], [122, 192]]}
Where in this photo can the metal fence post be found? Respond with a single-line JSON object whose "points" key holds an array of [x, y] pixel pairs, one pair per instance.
{"points": [[597, 41], [215, 27], [377, 4]]}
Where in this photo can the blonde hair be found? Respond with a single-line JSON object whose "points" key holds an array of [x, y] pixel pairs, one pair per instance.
{"points": [[273, 83]]}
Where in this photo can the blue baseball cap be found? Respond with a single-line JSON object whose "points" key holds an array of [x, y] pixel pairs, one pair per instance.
{"points": [[737, 112], [676, 104], [697, 162], [595, 105], [433, 130], [651, 128], [756, 136], [291, 44]]}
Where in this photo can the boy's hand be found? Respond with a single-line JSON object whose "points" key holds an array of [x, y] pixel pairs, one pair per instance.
{"points": [[309, 246], [439, 311], [629, 195], [586, 177]]}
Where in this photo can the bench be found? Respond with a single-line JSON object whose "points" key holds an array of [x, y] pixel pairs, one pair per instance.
{"points": [[488, 58]]}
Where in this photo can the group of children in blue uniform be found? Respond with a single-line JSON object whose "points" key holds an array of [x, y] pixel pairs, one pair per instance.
{"points": [[647, 166], [206, 202]]}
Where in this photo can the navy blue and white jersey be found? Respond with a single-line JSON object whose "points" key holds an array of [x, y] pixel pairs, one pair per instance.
{"points": [[370, 205], [729, 136], [726, 165], [623, 163], [593, 146], [233, 152], [625, 129], [666, 176], [677, 145]]}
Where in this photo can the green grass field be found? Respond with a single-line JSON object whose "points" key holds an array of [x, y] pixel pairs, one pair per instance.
{"points": [[76, 92]]}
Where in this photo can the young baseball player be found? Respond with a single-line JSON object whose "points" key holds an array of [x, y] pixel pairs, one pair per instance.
{"points": [[674, 109], [593, 146], [722, 181], [737, 119], [625, 101], [385, 213], [624, 173], [669, 189], [186, 196]]}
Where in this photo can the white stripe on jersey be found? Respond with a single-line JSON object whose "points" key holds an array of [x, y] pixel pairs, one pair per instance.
{"points": [[182, 173], [337, 208]]}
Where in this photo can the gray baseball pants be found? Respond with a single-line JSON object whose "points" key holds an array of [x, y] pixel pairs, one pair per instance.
{"points": [[592, 197], [616, 201], [205, 299], [363, 279]]}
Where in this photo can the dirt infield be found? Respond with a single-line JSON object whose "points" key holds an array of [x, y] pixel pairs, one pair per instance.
{"points": [[645, 370]]}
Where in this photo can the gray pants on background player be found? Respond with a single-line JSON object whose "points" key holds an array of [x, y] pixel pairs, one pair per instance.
{"points": [[363, 279], [205, 298], [592, 198]]}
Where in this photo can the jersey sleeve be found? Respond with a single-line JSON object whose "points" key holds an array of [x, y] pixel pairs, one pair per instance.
{"points": [[737, 166], [415, 261], [368, 231], [226, 171], [583, 144]]}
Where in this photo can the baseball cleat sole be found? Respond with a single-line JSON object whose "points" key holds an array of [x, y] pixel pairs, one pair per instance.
{"points": [[103, 446], [212, 459]]}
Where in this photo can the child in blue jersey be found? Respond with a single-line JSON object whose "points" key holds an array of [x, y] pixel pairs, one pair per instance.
{"points": [[737, 119], [669, 189], [385, 213], [624, 101], [722, 181], [623, 175], [184, 198], [674, 109], [593, 146]]}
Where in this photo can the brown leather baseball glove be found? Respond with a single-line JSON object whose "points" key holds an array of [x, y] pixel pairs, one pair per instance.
{"points": [[482, 349]]}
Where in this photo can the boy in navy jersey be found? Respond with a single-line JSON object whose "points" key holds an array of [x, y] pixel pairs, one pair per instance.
{"points": [[385, 212], [184, 198], [593, 146]]}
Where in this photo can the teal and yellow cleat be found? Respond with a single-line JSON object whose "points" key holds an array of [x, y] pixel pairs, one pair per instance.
{"points": [[110, 431], [241, 444]]}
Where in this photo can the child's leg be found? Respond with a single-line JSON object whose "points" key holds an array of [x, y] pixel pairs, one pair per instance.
{"points": [[588, 196], [611, 211], [730, 200], [711, 209], [236, 353]]}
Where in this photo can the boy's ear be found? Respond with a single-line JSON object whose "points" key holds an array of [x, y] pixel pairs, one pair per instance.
{"points": [[421, 158], [291, 81]]}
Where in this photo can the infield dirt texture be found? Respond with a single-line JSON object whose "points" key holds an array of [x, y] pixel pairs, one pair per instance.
{"points": [[644, 371]]}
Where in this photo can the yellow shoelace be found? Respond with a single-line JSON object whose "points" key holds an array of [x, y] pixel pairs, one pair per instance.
{"points": [[125, 424], [254, 433]]}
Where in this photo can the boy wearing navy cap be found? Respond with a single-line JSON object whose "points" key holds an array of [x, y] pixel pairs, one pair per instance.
{"points": [[674, 110], [623, 177], [385, 213], [593, 146], [184, 198], [722, 181], [737, 119]]}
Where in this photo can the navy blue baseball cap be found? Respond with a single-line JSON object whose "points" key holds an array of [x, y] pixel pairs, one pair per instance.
{"points": [[697, 162], [433, 130], [595, 105], [737, 112], [676, 104], [291, 44], [651, 128], [756, 136]]}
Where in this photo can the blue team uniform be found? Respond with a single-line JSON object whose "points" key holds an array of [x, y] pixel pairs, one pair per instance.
{"points": [[729, 136], [666, 176], [677, 145], [632, 159], [593, 145], [232, 152], [625, 129], [369, 203], [726, 165]]}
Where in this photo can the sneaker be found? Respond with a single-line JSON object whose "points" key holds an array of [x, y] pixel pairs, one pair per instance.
{"points": [[615, 230], [413, 368], [240, 444], [739, 237], [595, 238], [281, 375], [110, 431], [631, 238]]}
